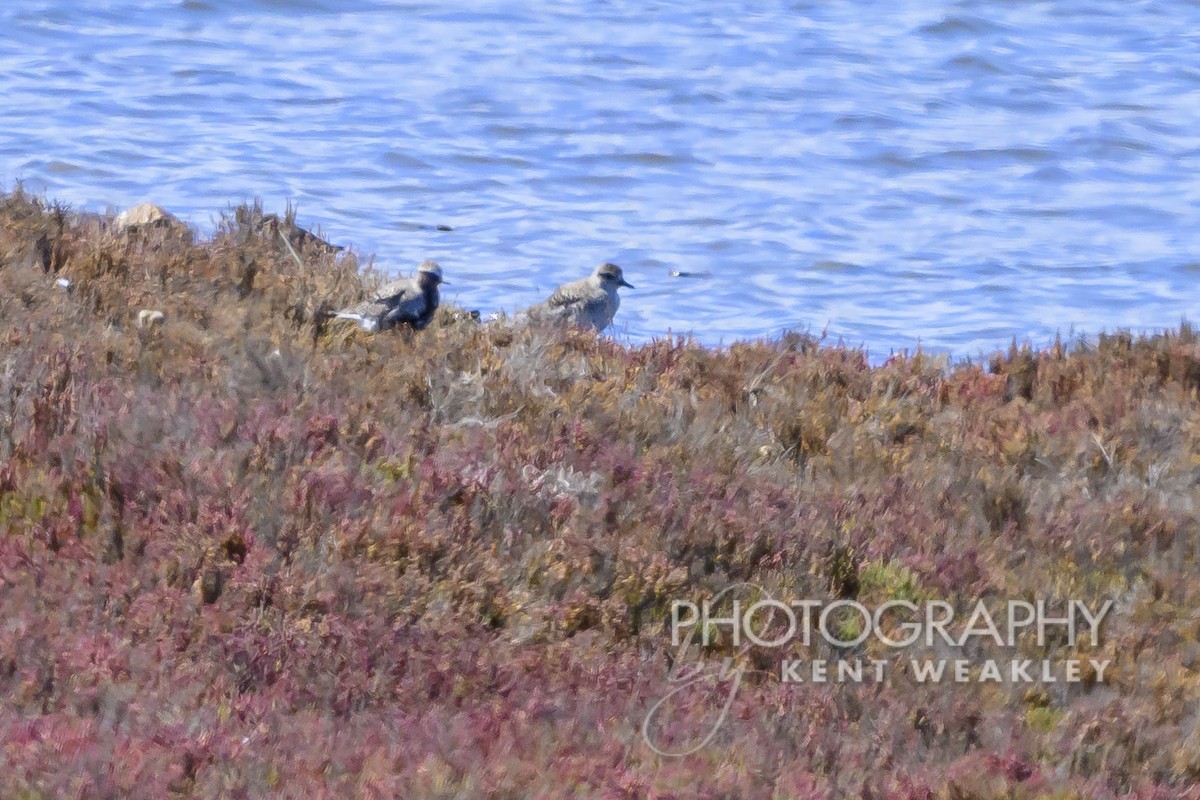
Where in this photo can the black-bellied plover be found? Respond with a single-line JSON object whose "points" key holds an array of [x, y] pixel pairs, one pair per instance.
{"points": [[407, 301], [587, 302]]}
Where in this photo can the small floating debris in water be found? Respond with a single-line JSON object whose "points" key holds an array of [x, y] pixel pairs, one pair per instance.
{"points": [[443, 228], [680, 273]]}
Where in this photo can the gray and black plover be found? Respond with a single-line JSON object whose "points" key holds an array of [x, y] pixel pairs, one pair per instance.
{"points": [[587, 302], [407, 301]]}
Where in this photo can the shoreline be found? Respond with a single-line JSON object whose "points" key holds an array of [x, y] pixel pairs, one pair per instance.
{"points": [[877, 354]]}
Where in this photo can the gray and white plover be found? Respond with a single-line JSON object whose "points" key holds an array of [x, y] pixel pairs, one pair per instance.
{"points": [[587, 302], [407, 301]]}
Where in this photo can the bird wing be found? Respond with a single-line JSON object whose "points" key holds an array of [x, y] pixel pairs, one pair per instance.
{"points": [[568, 295], [367, 308], [385, 300], [409, 309], [396, 292]]}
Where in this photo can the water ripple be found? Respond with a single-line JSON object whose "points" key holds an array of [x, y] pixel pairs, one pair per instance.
{"points": [[957, 176]]}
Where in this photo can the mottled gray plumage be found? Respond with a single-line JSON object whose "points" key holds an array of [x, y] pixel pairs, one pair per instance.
{"points": [[588, 302], [407, 301]]}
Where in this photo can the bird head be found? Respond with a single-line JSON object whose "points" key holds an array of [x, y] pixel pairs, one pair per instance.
{"points": [[611, 275], [429, 274]]}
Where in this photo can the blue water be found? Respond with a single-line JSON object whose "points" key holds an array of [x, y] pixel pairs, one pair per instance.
{"points": [[956, 174]]}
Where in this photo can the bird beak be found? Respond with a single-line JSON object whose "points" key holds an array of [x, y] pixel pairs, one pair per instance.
{"points": [[443, 283], [626, 284]]}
